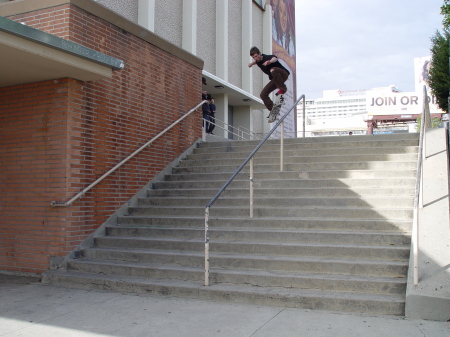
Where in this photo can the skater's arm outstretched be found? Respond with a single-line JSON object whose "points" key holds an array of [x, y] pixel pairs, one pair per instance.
{"points": [[272, 60]]}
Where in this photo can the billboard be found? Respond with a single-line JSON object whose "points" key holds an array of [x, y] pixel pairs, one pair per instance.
{"points": [[421, 69], [283, 47], [404, 103], [398, 103]]}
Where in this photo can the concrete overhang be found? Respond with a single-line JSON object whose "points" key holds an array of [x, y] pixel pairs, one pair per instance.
{"points": [[236, 96], [28, 55]]}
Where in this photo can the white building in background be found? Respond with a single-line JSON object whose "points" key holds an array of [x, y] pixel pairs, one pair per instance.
{"points": [[378, 110], [339, 112], [336, 112]]}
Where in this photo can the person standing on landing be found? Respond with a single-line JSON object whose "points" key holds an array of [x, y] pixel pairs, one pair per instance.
{"points": [[278, 74], [212, 117]]}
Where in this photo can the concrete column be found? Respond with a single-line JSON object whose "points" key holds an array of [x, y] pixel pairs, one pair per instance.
{"points": [[370, 127], [247, 43], [221, 102], [222, 39], [146, 14], [243, 118], [267, 48], [189, 40], [267, 31]]}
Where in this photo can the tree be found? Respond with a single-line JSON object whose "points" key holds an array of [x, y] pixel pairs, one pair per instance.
{"points": [[445, 11], [438, 77], [435, 123]]}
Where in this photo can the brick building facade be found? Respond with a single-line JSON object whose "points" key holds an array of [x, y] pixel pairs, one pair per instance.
{"points": [[57, 136]]}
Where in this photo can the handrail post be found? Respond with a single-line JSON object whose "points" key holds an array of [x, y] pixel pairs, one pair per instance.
{"points": [[304, 117], [207, 246], [251, 188], [421, 179], [204, 129], [415, 244], [282, 146], [249, 158]]}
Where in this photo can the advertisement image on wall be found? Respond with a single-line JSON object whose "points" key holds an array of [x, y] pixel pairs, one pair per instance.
{"points": [[283, 47]]}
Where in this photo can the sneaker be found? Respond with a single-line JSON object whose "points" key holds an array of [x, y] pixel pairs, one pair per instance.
{"points": [[280, 92]]}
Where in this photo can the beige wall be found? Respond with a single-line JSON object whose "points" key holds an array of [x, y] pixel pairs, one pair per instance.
{"points": [[257, 41], [168, 22], [128, 9], [235, 42], [168, 25], [206, 33]]}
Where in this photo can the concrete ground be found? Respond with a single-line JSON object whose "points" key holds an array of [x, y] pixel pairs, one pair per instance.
{"points": [[29, 308]]}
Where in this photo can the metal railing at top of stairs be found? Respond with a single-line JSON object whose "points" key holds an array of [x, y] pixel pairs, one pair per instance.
{"points": [[248, 159], [83, 192], [241, 131], [425, 122], [240, 136]]}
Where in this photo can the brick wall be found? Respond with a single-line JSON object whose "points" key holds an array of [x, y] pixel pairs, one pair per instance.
{"points": [[56, 137]]}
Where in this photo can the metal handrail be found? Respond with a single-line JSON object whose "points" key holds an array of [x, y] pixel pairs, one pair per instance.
{"points": [[223, 128], [249, 158], [220, 127], [246, 131], [83, 192], [418, 193]]}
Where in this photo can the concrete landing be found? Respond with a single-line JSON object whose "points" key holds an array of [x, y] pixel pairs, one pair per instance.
{"points": [[29, 308]]}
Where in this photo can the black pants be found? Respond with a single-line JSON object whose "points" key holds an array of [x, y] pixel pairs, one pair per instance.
{"points": [[279, 77], [212, 119], [206, 122]]}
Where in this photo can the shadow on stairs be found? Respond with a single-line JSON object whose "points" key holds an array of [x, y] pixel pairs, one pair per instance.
{"points": [[331, 232]]}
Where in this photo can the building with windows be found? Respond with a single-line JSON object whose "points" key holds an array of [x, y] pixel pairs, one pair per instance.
{"points": [[338, 112], [378, 110]]}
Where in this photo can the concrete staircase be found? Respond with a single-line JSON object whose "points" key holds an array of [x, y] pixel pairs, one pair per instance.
{"points": [[331, 232]]}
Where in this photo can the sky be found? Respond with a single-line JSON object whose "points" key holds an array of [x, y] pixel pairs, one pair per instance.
{"points": [[362, 44]]}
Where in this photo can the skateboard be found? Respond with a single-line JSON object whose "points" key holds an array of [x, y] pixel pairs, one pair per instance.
{"points": [[279, 101]]}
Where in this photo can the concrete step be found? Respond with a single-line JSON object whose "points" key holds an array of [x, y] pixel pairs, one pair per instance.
{"points": [[278, 201], [286, 192], [313, 212], [383, 225], [271, 235], [288, 183], [302, 264], [375, 252], [391, 304], [260, 278], [375, 141], [351, 174], [373, 165], [367, 157], [300, 151]]}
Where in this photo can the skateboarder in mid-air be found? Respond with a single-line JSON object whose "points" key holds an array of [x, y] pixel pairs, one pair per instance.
{"points": [[278, 74]]}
